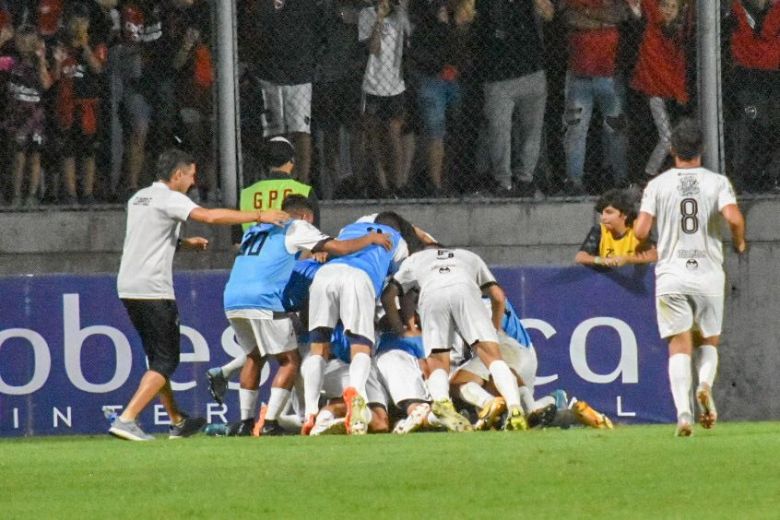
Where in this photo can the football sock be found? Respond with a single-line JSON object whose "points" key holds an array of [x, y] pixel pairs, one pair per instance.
{"points": [[434, 421], [680, 382], [505, 381], [707, 364], [232, 366], [474, 394], [439, 384], [313, 372], [276, 403], [544, 401], [325, 417], [359, 368], [247, 400], [527, 399]]}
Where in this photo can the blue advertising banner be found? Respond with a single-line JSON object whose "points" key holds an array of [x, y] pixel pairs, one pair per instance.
{"points": [[68, 349]]}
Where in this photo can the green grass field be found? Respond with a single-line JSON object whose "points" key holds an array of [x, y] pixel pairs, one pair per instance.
{"points": [[631, 472]]}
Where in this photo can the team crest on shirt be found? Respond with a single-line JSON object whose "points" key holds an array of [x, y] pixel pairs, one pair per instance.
{"points": [[688, 186], [691, 264]]}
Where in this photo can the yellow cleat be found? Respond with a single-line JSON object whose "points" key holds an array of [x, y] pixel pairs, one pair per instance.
{"points": [[445, 411], [515, 420], [590, 417], [357, 412], [490, 414]]}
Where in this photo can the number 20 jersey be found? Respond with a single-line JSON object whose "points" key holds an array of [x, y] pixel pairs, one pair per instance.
{"points": [[686, 204]]}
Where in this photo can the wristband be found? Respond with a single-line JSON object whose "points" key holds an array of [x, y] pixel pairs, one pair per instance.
{"points": [[597, 260]]}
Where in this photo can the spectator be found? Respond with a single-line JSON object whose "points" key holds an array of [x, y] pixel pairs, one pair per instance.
{"points": [[26, 118], [511, 63], [288, 40], [385, 28], [438, 53], [612, 243], [336, 96], [7, 60], [755, 51], [592, 76], [79, 62], [660, 69]]}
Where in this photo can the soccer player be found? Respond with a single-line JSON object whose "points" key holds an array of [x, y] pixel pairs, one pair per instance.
{"points": [[451, 283], [346, 289], [253, 301], [145, 282], [685, 202]]}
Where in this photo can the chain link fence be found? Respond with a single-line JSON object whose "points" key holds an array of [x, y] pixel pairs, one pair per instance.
{"points": [[382, 99]]}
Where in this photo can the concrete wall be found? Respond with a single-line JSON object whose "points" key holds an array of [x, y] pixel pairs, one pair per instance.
{"points": [[504, 232]]}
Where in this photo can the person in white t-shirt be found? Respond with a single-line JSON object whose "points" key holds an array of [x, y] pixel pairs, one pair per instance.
{"points": [[451, 283], [384, 28], [685, 203], [145, 282]]}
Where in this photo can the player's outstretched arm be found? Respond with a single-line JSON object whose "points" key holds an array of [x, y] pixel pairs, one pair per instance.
{"points": [[233, 216], [345, 247], [736, 223], [497, 303]]}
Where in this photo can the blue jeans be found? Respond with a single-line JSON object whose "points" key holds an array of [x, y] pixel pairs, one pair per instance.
{"points": [[434, 97], [608, 94]]}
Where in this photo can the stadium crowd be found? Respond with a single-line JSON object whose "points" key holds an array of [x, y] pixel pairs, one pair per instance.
{"points": [[381, 99]]}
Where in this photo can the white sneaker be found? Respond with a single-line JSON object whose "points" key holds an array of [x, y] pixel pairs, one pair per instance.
{"points": [[329, 427], [414, 421]]}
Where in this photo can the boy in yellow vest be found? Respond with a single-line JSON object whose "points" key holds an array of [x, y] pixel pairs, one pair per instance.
{"points": [[612, 242]]}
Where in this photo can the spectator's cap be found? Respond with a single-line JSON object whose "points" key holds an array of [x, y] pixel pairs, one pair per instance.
{"points": [[278, 151]]}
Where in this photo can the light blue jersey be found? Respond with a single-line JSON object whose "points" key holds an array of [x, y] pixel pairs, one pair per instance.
{"points": [[264, 264], [513, 328], [374, 260], [296, 292], [391, 341]]}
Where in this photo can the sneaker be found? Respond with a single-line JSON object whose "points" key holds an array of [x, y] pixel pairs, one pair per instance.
{"points": [[444, 410], [308, 424], [272, 428], [590, 417], [356, 412], [515, 420], [128, 430], [490, 414], [241, 428], [257, 430], [561, 399], [187, 427], [414, 421], [542, 417], [684, 426], [708, 414], [218, 384], [329, 427]]}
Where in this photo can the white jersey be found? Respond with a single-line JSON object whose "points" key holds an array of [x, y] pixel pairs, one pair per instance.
{"points": [[384, 75], [686, 204], [432, 269], [154, 217]]}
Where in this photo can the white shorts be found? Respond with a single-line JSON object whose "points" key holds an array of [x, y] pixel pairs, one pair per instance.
{"points": [[453, 311], [336, 379], [342, 292], [287, 108], [677, 313], [269, 336], [519, 358], [401, 374]]}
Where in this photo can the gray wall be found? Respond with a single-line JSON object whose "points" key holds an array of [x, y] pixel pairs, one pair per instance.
{"points": [[504, 232]]}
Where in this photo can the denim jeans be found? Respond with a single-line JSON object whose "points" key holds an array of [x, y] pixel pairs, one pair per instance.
{"points": [[608, 94], [519, 102], [435, 97]]}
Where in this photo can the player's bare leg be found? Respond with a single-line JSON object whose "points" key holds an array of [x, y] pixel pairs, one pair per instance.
{"points": [[281, 387]]}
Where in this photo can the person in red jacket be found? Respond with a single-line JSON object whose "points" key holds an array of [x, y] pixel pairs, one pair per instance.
{"points": [[659, 73], [755, 131]]}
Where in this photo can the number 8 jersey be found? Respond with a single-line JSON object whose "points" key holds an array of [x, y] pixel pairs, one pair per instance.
{"points": [[686, 204]]}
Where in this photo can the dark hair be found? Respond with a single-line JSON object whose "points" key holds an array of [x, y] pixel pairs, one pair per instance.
{"points": [[621, 200], [403, 226], [687, 139], [171, 160], [296, 202], [277, 152]]}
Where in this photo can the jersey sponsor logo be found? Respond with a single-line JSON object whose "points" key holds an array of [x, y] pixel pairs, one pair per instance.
{"points": [[142, 201], [688, 186], [691, 253]]}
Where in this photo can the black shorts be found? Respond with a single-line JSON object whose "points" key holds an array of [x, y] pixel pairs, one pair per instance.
{"points": [[384, 108], [157, 322]]}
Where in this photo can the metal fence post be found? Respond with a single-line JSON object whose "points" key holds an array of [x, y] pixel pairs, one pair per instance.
{"points": [[227, 101], [709, 80]]}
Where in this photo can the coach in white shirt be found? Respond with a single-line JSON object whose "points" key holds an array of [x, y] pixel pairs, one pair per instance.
{"points": [[686, 202], [145, 282]]}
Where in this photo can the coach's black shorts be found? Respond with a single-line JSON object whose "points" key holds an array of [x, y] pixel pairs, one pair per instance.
{"points": [[157, 322]]}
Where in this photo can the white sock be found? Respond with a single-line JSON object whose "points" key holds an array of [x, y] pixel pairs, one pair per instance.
{"points": [[325, 417], [312, 372], [439, 384], [276, 403], [475, 395], [290, 422], [680, 382], [359, 368], [527, 398], [505, 382], [434, 421], [247, 400], [707, 364], [232, 366], [544, 401]]}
